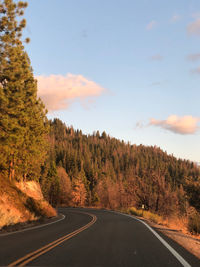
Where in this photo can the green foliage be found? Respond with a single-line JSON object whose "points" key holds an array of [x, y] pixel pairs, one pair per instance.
{"points": [[23, 123], [193, 193], [50, 183]]}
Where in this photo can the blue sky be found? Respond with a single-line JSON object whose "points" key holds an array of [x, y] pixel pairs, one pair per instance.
{"points": [[131, 68]]}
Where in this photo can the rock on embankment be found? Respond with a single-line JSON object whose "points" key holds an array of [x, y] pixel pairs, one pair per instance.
{"points": [[22, 202]]}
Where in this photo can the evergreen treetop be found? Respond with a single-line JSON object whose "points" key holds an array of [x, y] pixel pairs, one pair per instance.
{"points": [[22, 115]]}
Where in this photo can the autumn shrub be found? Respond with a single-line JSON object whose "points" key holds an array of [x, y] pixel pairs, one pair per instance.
{"points": [[152, 217], [145, 214], [194, 223], [33, 206], [47, 209], [135, 212], [40, 208]]}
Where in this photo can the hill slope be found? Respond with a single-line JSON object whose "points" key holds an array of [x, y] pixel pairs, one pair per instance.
{"points": [[106, 172], [22, 202]]}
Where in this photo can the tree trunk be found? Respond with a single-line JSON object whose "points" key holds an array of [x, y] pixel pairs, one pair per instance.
{"points": [[11, 168]]}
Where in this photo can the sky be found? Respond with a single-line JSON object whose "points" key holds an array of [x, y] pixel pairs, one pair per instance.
{"points": [[130, 68]]}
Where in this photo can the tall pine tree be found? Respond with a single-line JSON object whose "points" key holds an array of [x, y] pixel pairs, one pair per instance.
{"points": [[23, 123]]}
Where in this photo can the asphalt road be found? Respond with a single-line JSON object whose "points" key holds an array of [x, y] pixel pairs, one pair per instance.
{"points": [[113, 240]]}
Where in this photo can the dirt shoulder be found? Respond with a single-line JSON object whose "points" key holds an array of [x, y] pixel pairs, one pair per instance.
{"points": [[188, 241]]}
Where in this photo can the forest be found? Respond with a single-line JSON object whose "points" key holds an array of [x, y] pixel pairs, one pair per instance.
{"points": [[75, 169], [98, 170]]}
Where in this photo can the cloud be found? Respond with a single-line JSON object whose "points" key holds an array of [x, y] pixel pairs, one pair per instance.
{"points": [[175, 18], [193, 57], [58, 91], [151, 25], [194, 27], [179, 125], [196, 71], [157, 57]]}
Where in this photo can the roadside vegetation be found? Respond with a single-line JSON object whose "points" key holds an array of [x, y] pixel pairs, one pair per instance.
{"points": [[194, 223], [145, 214]]}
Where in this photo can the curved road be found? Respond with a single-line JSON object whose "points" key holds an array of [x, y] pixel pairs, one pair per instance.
{"points": [[104, 238]]}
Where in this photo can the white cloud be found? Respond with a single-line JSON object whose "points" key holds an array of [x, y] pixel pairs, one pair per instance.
{"points": [[179, 125], [194, 27], [193, 57], [175, 18], [58, 91], [151, 25], [157, 57]]}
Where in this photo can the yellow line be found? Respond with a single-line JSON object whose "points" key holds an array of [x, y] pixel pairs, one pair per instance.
{"points": [[35, 254]]}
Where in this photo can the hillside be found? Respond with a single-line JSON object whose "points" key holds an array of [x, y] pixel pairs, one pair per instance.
{"points": [[100, 171], [111, 173], [22, 202]]}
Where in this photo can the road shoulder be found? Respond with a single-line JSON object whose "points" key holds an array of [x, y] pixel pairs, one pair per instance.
{"points": [[189, 242], [26, 226]]}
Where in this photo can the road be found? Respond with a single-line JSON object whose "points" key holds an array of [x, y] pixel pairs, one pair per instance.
{"points": [[106, 239]]}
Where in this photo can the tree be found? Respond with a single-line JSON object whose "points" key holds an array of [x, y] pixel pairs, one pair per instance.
{"points": [[65, 187], [79, 193], [23, 123], [50, 183]]}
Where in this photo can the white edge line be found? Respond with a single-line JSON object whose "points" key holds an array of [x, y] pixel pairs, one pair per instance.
{"points": [[173, 251], [34, 227]]}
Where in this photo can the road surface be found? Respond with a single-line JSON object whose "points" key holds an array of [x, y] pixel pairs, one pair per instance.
{"points": [[89, 237]]}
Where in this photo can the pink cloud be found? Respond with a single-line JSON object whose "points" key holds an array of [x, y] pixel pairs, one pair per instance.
{"points": [[58, 91], [194, 27], [179, 125], [151, 25]]}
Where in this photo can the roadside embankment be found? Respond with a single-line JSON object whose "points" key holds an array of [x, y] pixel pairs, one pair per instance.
{"points": [[22, 202]]}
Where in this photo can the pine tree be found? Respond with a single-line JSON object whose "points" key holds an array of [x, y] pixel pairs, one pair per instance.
{"points": [[23, 123]]}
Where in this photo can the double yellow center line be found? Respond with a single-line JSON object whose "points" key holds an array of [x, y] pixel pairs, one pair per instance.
{"points": [[35, 254]]}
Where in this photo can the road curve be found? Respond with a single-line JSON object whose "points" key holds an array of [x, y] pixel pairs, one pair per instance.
{"points": [[111, 240]]}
